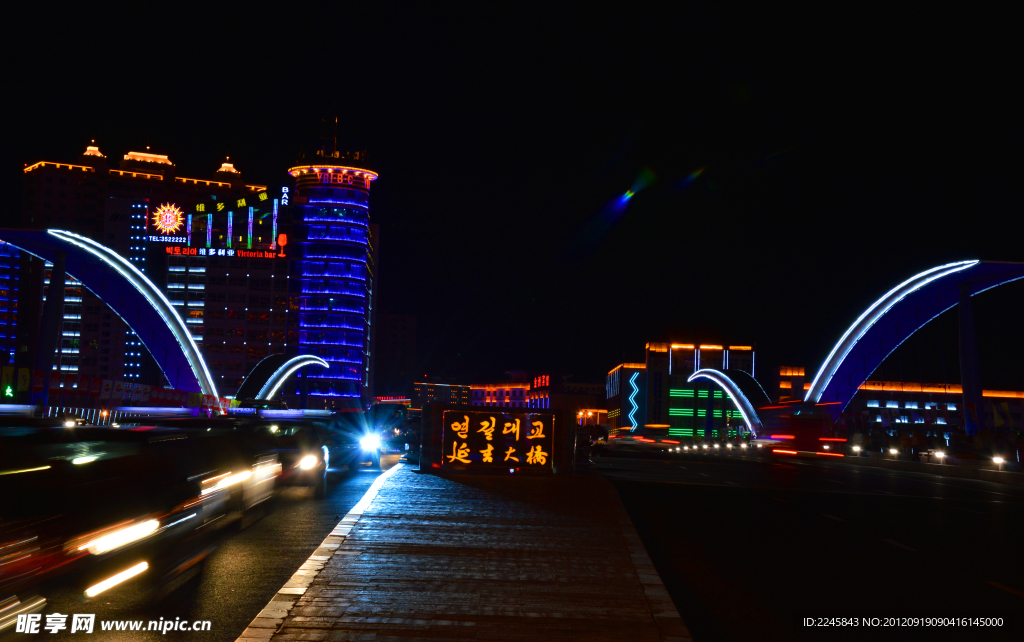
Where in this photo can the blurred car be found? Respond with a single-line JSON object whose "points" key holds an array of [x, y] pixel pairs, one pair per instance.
{"points": [[96, 507], [303, 455]]}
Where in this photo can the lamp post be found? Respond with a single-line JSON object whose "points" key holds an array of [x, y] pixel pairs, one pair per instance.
{"points": [[998, 461]]}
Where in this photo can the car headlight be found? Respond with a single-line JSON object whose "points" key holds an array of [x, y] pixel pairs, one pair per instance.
{"points": [[370, 442], [308, 462], [120, 537]]}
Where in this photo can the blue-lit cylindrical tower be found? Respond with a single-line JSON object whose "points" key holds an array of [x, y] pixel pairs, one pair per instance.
{"points": [[332, 279]]}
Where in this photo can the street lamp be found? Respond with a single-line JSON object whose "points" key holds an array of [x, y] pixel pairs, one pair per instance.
{"points": [[893, 452], [939, 455], [856, 449], [999, 461]]}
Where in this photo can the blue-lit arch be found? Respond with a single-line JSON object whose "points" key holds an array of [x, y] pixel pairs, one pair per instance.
{"points": [[286, 370], [743, 404], [142, 306], [893, 318]]}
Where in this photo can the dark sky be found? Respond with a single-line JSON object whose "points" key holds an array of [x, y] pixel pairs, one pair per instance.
{"points": [[795, 167]]}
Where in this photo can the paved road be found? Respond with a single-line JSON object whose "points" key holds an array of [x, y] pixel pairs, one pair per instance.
{"points": [[749, 548], [239, 578]]}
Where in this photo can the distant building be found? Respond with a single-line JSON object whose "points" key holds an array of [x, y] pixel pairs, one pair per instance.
{"points": [[500, 395], [656, 396], [938, 406], [625, 389], [250, 272], [548, 392], [424, 393], [9, 295], [592, 416], [118, 207], [792, 383]]}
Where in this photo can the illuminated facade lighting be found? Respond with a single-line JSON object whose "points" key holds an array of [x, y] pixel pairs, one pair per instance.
{"points": [[333, 263], [632, 399]]}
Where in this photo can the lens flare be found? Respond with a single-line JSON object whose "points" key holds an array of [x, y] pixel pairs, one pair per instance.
{"points": [[690, 178]]}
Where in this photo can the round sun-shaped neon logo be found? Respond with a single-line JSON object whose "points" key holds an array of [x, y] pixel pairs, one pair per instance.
{"points": [[168, 218]]}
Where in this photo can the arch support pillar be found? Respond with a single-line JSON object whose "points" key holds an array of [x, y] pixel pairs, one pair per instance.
{"points": [[970, 367]]}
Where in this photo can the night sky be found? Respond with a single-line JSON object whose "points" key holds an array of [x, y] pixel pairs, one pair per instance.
{"points": [[788, 169]]}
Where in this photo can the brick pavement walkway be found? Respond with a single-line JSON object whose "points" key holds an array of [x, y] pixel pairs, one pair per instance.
{"points": [[477, 558]]}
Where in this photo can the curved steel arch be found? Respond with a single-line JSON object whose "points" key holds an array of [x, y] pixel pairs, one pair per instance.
{"points": [[142, 306], [263, 381], [892, 319], [286, 370], [742, 403]]}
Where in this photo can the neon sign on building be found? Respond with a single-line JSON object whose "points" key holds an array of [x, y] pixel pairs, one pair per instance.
{"points": [[168, 218], [178, 250]]}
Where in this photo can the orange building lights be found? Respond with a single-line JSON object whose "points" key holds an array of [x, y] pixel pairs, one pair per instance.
{"points": [[936, 388]]}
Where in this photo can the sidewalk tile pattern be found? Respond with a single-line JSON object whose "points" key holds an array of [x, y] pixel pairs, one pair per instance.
{"points": [[478, 558]]}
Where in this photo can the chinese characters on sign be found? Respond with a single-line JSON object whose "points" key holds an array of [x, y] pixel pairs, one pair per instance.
{"points": [[475, 439]]}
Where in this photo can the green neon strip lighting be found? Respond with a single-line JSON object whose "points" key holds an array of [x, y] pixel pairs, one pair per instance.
{"points": [[700, 433], [702, 413], [718, 394], [703, 394], [680, 412], [718, 413], [677, 392]]}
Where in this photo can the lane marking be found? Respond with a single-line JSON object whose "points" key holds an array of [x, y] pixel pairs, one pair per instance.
{"points": [[1002, 587], [832, 517], [906, 548]]}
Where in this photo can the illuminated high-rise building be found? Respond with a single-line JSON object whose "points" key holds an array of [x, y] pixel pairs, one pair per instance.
{"points": [[658, 396], [333, 274]]}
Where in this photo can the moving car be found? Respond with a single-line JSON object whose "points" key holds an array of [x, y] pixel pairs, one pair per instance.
{"points": [[97, 507]]}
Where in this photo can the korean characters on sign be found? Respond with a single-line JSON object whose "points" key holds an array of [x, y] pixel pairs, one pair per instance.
{"points": [[496, 440]]}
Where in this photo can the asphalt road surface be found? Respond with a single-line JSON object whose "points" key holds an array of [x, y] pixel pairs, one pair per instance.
{"points": [[749, 548], [253, 559]]}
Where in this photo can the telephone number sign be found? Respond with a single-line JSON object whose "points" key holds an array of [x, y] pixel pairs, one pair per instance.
{"points": [[499, 440]]}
